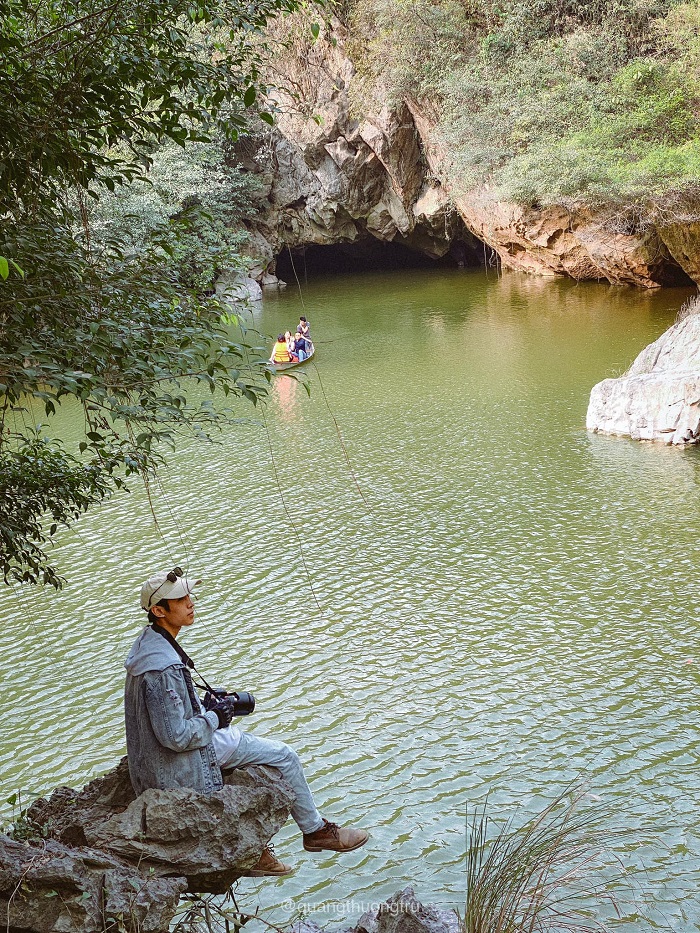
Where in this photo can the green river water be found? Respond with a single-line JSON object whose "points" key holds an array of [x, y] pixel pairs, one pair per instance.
{"points": [[509, 606]]}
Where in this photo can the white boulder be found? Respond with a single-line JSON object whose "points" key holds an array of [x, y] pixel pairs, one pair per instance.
{"points": [[658, 399]]}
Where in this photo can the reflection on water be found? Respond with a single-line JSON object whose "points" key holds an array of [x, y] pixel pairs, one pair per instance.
{"points": [[285, 395], [509, 609]]}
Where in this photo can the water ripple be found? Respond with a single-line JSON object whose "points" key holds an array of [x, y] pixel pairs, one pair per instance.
{"points": [[513, 613]]}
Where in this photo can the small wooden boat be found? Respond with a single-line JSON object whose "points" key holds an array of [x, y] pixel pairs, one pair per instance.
{"points": [[282, 367]]}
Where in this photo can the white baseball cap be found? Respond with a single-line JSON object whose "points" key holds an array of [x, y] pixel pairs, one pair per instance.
{"points": [[166, 584]]}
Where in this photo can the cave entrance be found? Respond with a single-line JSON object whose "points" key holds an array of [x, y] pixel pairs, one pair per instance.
{"points": [[368, 255]]}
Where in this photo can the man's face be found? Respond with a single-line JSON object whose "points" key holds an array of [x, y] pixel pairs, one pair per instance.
{"points": [[180, 612]]}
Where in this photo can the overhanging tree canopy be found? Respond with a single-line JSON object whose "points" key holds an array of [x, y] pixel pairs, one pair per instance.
{"points": [[87, 90]]}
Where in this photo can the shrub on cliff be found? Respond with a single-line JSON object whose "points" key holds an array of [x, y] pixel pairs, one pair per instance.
{"points": [[548, 101]]}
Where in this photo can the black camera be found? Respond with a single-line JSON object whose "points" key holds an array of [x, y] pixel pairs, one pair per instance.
{"points": [[243, 702]]}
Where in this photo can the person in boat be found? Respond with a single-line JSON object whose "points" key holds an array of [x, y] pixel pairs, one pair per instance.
{"points": [[289, 337], [304, 328], [280, 351], [301, 347], [175, 740]]}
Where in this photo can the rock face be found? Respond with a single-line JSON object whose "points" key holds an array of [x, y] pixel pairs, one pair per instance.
{"points": [[104, 851], [658, 399], [51, 887], [554, 240], [683, 242], [331, 179]]}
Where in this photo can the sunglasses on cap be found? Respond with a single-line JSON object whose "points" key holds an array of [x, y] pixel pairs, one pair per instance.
{"points": [[172, 577]]}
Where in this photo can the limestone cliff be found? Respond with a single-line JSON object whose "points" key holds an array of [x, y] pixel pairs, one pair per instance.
{"points": [[555, 240], [332, 179]]}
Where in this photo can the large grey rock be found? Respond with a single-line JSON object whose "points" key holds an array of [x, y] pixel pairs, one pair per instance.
{"points": [[68, 814], [238, 287], [658, 399], [208, 840], [50, 888]]}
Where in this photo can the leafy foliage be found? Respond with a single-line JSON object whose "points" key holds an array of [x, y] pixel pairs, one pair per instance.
{"points": [[202, 186], [38, 480], [80, 77], [21, 828], [551, 101], [105, 304]]}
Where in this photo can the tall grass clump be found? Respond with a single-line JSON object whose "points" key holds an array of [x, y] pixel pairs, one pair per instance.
{"points": [[689, 308], [550, 875]]}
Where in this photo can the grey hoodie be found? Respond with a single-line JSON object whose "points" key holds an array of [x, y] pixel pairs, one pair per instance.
{"points": [[169, 744]]}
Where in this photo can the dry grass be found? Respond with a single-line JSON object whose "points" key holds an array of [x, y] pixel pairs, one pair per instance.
{"points": [[689, 308], [547, 876]]}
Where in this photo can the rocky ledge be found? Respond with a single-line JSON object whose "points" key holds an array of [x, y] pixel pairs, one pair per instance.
{"points": [[658, 398], [102, 858]]}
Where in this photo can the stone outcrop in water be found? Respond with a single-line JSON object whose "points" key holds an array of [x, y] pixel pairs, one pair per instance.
{"points": [[404, 913], [103, 851], [400, 913], [658, 399]]}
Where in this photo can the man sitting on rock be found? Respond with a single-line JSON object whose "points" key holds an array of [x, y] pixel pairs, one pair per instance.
{"points": [[174, 741]]}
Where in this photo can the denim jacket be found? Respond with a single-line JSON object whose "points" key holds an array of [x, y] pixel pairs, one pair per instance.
{"points": [[168, 743]]}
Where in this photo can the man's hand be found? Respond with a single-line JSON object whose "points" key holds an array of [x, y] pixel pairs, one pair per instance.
{"points": [[225, 710]]}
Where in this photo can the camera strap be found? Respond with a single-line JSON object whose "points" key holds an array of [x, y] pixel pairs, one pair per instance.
{"points": [[184, 657]]}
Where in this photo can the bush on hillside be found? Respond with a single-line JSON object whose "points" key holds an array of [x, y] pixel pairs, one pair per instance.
{"points": [[549, 102]]}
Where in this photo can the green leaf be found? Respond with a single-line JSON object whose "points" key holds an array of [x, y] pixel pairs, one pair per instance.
{"points": [[315, 30], [267, 117], [4, 267], [249, 96]]}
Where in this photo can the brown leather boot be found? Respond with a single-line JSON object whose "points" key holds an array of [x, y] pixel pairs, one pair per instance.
{"points": [[336, 838], [269, 865]]}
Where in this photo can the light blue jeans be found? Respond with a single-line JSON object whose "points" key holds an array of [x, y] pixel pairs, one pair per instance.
{"points": [[252, 750]]}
